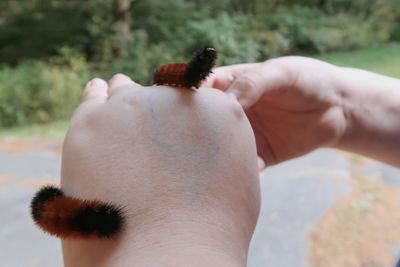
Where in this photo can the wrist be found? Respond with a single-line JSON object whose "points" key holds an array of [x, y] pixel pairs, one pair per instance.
{"points": [[171, 229], [176, 241], [356, 103], [371, 106], [349, 109]]}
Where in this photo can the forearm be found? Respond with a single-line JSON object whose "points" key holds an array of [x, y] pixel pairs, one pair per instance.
{"points": [[371, 106]]}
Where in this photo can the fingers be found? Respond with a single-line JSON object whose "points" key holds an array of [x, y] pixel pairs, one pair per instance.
{"points": [[255, 82], [222, 77], [248, 82], [95, 89], [99, 89], [118, 81], [247, 88]]}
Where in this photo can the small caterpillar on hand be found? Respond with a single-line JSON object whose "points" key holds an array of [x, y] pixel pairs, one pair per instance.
{"points": [[190, 74], [68, 217]]}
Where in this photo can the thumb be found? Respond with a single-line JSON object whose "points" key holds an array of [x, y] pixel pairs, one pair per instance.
{"points": [[250, 86], [247, 88]]}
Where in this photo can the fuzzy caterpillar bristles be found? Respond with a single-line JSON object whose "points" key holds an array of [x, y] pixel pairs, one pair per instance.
{"points": [[190, 74], [68, 217]]}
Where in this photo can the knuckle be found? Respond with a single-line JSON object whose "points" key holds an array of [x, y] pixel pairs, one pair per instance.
{"points": [[250, 85], [118, 76], [247, 83]]}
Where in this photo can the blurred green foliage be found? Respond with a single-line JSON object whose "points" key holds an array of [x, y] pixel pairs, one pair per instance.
{"points": [[49, 48], [41, 91]]}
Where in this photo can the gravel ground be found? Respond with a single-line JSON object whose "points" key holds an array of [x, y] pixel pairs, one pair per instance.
{"points": [[296, 195]]}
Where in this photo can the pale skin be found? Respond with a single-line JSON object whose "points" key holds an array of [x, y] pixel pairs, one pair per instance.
{"points": [[184, 163], [298, 104], [187, 181]]}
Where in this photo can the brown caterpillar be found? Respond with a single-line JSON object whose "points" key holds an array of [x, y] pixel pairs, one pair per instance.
{"points": [[68, 217], [190, 74]]}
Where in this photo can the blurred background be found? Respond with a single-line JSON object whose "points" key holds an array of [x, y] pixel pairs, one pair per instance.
{"points": [[328, 209]]}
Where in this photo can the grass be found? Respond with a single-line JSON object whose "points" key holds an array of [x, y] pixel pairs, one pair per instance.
{"points": [[383, 59]]}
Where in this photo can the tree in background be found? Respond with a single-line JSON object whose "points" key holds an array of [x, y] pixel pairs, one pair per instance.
{"points": [[58, 44], [103, 30], [123, 26]]}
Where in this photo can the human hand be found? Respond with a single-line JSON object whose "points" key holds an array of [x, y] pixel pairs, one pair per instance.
{"points": [[181, 162], [293, 104]]}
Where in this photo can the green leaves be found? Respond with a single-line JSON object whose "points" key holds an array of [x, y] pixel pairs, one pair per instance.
{"points": [[38, 91], [72, 40]]}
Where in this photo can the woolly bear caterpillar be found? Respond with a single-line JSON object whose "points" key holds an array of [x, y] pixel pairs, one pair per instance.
{"points": [[190, 74], [68, 217]]}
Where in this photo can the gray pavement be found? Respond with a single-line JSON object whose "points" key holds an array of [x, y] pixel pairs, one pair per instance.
{"points": [[21, 243], [296, 195]]}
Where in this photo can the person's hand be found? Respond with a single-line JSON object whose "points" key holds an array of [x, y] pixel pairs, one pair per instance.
{"points": [[293, 104], [181, 162]]}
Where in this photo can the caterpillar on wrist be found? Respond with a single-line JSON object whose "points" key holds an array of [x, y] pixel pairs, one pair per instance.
{"points": [[73, 218]]}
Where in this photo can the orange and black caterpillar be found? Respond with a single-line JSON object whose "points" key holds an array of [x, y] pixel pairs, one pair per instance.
{"points": [[68, 217], [190, 74]]}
